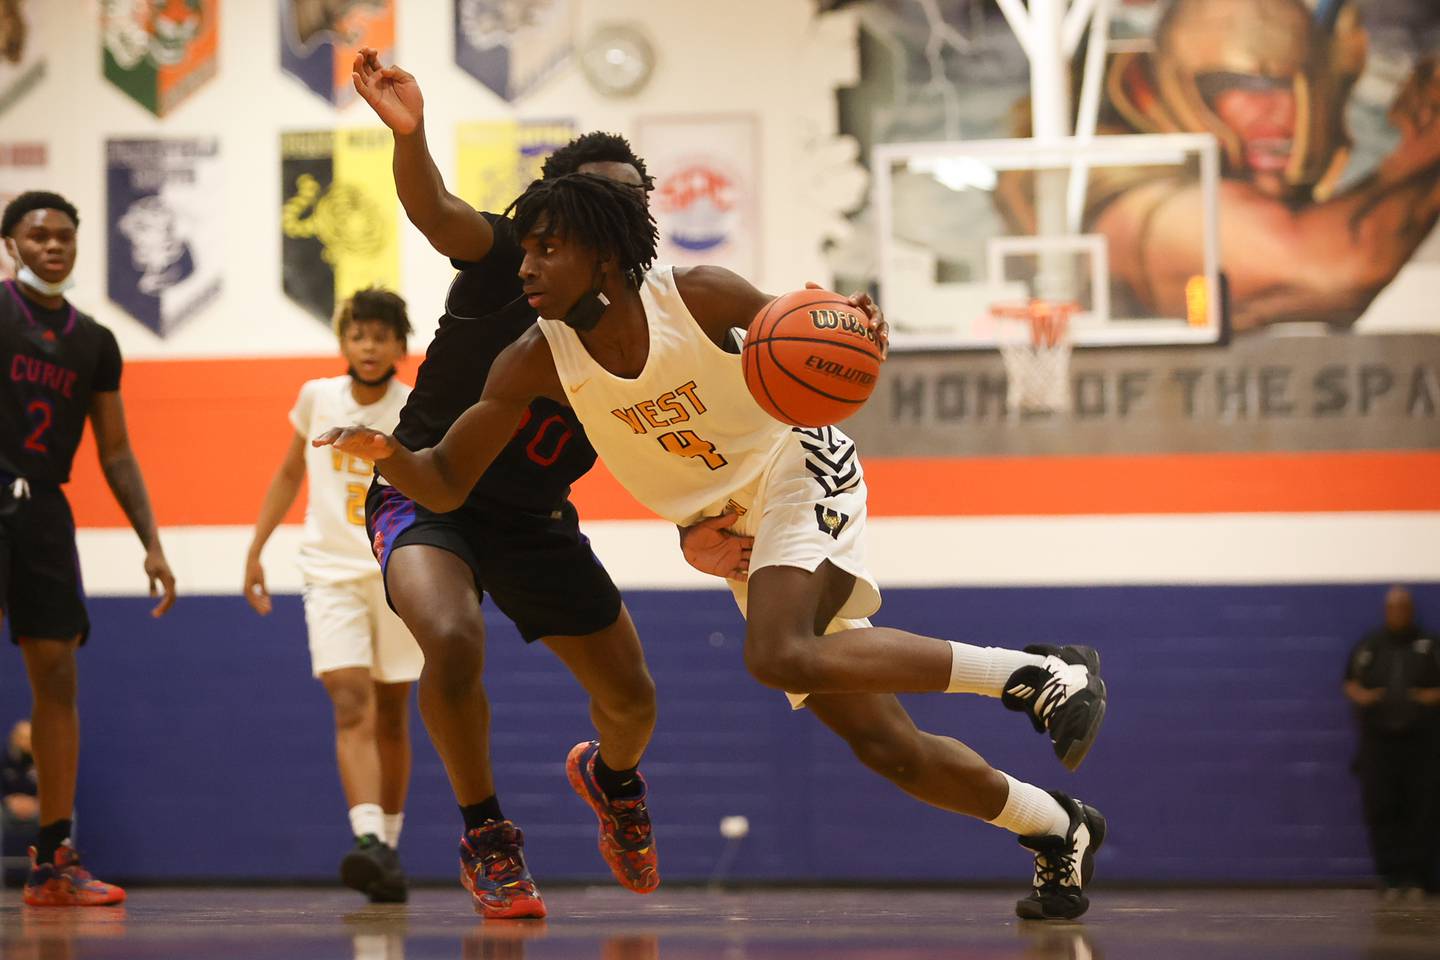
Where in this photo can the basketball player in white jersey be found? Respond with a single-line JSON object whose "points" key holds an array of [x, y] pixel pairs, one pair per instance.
{"points": [[646, 359], [359, 649]]}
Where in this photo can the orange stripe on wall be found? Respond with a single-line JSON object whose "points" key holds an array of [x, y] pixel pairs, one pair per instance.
{"points": [[210, 434]]}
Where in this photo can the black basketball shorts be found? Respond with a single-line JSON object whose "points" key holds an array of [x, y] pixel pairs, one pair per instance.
{"points": [[41, 593], [538, 568]]}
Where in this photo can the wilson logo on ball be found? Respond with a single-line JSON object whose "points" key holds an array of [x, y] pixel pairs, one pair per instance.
{"points": [[842, 321]]}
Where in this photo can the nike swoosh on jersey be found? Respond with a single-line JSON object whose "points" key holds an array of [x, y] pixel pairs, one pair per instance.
{"points": [[580, 386]]}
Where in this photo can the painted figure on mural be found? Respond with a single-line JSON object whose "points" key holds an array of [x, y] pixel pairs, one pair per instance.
{"points": [[1302, 237], [12, 31], [316, 21]]}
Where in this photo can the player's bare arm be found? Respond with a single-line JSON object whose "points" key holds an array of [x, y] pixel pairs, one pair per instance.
{"points": [[122, 474], [452, 226], [440, 478], [284, 488], [720, 299]]}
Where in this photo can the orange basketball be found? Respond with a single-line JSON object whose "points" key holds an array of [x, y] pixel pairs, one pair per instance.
{"points": [[810, 358]]}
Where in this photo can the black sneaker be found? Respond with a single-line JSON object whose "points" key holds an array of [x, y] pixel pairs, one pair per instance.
{"points": [[1063, 865], [374, 869], [1064, 696]]}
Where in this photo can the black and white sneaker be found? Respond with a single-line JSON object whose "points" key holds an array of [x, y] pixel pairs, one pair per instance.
{"points": [[1064, 696], [1063, 865], [373, 868]]}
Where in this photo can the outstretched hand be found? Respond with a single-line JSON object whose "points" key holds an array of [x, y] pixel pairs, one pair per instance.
{"points": [[359, 442], [711, 547], [392, 93], [863, 301]]}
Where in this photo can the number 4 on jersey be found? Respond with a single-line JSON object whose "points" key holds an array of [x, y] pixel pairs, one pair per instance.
{"points": [[684, 443]]}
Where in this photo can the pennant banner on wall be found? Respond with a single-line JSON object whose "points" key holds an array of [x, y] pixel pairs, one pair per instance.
{"points": [[23, 166], [161, 51], [513, 47], [497, 160], [21, 63], [318, 40], [339, 219], [707, 188], [165, 239]]}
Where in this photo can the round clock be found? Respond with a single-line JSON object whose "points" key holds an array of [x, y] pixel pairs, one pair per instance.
{"points": [[617, 59]]}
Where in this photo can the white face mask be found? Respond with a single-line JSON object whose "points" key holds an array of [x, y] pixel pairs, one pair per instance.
{"points": [[35, 282]]}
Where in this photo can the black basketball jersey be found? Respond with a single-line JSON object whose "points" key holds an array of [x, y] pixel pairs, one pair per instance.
{"points": [[484, 314], [54, 362]]}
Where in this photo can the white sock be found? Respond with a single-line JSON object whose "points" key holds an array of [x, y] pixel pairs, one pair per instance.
{"points": [[367, 818], [984, 670], [393, 823], [1030, 811]]}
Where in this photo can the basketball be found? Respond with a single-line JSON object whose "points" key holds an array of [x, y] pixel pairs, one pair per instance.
{"points": [[811, 358]]}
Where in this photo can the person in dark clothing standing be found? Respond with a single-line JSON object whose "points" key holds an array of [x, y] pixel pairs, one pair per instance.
{"points": [[1393, 680], [19, 807], [59, 369]]}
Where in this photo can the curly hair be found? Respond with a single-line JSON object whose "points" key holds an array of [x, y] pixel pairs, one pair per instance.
{"points": [[31, 201], [595, 147], [595, 212], [374, 303]]}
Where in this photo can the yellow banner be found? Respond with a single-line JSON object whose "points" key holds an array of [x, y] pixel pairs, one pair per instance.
{"points": [[361, 210], [496, 160]]}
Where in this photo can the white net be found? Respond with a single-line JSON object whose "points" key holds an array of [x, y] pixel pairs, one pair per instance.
{"points": [[1035, 345]]}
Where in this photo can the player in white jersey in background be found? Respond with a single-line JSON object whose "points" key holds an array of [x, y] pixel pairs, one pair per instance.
{"points": [[645, 357], [359, 648]]}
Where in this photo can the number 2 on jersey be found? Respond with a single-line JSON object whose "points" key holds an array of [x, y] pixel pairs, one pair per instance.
{"points": [[685, 443], [43, 414], [355, 503]]}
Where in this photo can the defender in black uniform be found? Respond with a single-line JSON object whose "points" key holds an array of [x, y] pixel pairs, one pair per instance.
{"points": [[517, 535], [60, 367]]}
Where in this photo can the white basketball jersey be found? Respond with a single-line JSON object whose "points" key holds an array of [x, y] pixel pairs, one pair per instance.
{"points": [[335, 546], [685, 434]]}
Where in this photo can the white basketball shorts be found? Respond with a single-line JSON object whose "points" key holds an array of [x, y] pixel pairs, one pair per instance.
{"points": [[351, 625]]}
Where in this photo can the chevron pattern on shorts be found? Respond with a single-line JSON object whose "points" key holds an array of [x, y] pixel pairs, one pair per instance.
{"points": [[830, 458]]}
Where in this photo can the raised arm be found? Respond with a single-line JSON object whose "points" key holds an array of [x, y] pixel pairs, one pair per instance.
{"points": [[452, 226], [441, 477]]}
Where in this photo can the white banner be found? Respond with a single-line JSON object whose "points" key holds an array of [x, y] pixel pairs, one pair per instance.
{"points": [[707, 189]]}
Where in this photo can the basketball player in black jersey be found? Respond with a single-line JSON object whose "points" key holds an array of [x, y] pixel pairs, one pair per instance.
{"points": [[517, 535], [60, 367]]}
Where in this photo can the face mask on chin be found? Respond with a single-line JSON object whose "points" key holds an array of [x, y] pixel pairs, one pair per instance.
{"points": [[587, 313], [379, 381], [37, 283], [590, 308]]}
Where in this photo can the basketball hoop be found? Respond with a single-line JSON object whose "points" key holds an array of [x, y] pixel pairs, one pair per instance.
{"points": [[1034, 342]]}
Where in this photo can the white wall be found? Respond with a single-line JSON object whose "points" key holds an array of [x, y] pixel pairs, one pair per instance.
{"points": [[768, 57]]}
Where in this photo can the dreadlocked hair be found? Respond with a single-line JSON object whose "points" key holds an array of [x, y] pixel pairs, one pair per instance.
{"points": [[610, 218], [595, 147]]}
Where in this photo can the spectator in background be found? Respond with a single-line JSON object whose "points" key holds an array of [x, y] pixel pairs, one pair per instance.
{"points": [[19, 807], [1394, 682]]}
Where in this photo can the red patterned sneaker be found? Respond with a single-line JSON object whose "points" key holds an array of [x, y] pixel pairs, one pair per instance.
{"points": [[65, 883], [492, 868], [625, 838]]}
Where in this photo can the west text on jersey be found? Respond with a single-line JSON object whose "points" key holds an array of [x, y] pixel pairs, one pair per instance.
{"points": [[671, 407]]}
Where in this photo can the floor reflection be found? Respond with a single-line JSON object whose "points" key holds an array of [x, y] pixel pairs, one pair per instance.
{"points": [[607, 924]]}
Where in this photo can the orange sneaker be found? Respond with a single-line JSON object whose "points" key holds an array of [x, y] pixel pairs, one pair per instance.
{"points": [[492, 868], [65, 883], [626, 841]]}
